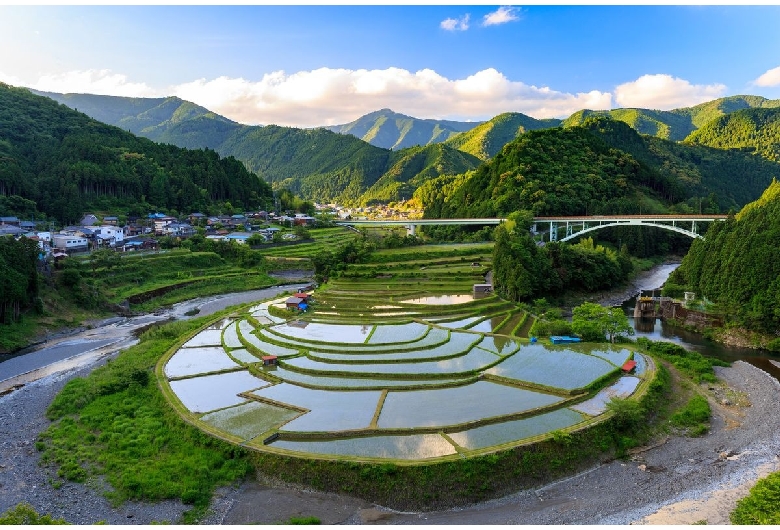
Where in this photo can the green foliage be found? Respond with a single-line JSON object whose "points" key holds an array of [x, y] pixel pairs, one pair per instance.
{"points": [[114, 422], [25, 514], [736, 266], [695, 416], [522, 270], [762, 506], [751, 130], [594, 322], [67, 164], [628, 413], [19, 285], [693, 364], [487, 139]]}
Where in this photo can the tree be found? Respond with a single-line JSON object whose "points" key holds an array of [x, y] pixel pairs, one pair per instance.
{"points": [[594, 322]]}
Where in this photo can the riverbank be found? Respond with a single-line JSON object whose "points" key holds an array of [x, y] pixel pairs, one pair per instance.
{"points": [[653, 486]]}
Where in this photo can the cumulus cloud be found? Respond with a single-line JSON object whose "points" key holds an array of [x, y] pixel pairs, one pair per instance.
{"points": [[456, 24], [664, 92], [769, 78], [328, 96], [102, 82], [502, 15]]}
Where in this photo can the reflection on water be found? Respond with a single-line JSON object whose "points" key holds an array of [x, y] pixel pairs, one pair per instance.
{"points": [[657, 329], [448, 299]]}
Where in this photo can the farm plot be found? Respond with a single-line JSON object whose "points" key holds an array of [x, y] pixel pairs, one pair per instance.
{"points": [[266, 348], [623, 387], [459, 344], [316, 332], [230, 337], [511, 431], [212, 392], [553, 367], [207, 337], [434, 337], [452, 406], [398, 333], [475, 360], [346, 383], [327, 409], [409, 447], [615, 355], [249, 420], [243, 356], [194, 361], [499, 345]]}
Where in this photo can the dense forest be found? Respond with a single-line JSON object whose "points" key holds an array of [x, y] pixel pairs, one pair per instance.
{"points": [[523, 271], [19, 285], [66, 163], [751, 130], [737, 265]]}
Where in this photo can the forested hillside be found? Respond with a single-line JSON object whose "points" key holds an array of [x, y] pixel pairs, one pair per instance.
{"points": [[603, 167], [317, 163], [677, 124], [756, 130], [67, 163], [487, 139], [391, 130], [737, 266]]}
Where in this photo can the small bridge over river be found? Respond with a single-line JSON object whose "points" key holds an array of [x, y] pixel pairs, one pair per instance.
{"points": [[562, 228]]}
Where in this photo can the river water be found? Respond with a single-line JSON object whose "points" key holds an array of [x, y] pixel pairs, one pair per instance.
{"points": [[657, 329]]}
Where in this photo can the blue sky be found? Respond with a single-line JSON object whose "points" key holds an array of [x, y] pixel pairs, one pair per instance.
{"points": [[316, 65]]}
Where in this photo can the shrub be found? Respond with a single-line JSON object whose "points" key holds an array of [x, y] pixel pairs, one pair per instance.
{"points": [[762, 506], [24, 514]]}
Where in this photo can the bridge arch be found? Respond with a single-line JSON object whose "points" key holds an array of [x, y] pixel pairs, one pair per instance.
{"points": [[677, 229]]}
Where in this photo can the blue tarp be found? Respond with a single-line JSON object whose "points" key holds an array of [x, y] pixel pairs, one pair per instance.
{"points": [[563, 339]]}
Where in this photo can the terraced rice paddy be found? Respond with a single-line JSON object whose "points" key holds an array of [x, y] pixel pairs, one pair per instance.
{"points": [[359, 379]]}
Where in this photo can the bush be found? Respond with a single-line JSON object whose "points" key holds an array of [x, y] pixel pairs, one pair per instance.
{"points": [[762, 506], [695, 416], [24, 514]]}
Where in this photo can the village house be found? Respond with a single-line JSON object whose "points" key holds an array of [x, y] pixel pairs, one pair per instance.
{"points": [[9, 221]]}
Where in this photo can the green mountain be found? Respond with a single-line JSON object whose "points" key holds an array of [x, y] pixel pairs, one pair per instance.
{"points": [[317, 163], [168, 120], [601, 167], [391, 130], [677, 124], [65, 163], [756, 130], [736, 266], [485, 140]]}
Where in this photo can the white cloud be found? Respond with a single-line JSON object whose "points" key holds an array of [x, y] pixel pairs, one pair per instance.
{"points": [[664, 92], [502, 15], [769, 78], [456, 24], [103, 82], [329, 96]]}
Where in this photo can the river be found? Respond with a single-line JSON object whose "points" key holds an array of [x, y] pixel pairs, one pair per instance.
{"points": [[657, 329], [87, 345]]}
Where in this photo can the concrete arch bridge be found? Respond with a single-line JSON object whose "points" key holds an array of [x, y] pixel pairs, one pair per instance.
{"points": [[562, 228]]}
